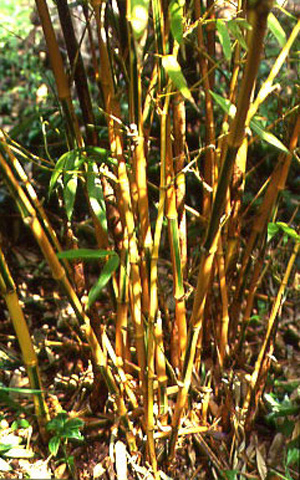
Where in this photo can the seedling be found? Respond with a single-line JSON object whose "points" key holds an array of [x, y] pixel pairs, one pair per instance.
{"points": [[64, 429]]}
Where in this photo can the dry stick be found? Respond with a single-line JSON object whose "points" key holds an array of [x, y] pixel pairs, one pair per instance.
{"points": [[258, 370], [276, 184], [258, 15], [29, 216], [116, 144], [8, 290]]}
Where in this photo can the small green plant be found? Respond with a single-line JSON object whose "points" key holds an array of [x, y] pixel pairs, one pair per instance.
{"points": [[65, 429], [283, 407]]}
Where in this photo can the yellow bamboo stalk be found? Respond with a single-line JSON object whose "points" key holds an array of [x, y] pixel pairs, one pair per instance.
{"points": [[224, 324], [122, 339], [60, 76], [258, 15], [154, 285], [112, 109], [8, 290], [179, 127], [139, 158], [162, 377], [240, 167], [32, 195], [267, 86], [59, 274], [209, 165], [172, 217]]}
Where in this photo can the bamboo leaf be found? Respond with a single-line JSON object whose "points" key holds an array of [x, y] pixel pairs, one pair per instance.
{"points": [[139, 17], [54, 444], [70, 189], [276, 29], [85, 254], [293, 456], [288, 231], [234, 27], [272, 230], [176, 17], [107, 271], [18, 452], [73, 163], [58, 170], [224, 38], [95, 193], [173, 69], [268, 137], [224, 103]]}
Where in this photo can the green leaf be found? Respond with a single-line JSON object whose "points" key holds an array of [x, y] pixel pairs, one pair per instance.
{"points": [[100, 155], [73, 434], [268, 137], [85, 254], [57, 424], [236, 31], [95, 194], [176, 17], [276, 29], [224, 38], [224, 103], [54, 444], [74, 423], [22, 423], [5, 399], [272, 230], [107, 271], [5, 447], [173, 69], [139, 17], [58, 170], [230, 474], [293, 456], [288, 231], [73, 162], [22, 390]]}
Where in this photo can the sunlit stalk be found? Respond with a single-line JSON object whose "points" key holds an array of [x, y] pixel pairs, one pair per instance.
{"points": [[8, 290]]}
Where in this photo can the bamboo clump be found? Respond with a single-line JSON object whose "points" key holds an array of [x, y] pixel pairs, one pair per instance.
{"points": [[161, 340]]}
